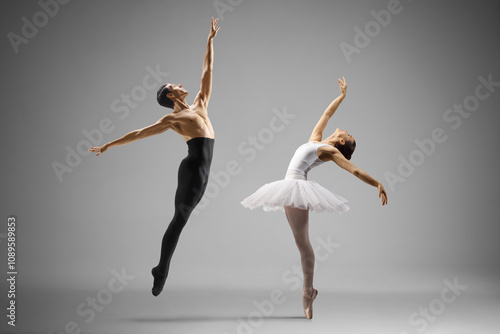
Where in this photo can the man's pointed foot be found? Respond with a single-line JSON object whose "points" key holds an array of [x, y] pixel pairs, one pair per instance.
{"points": [[158, 282]]}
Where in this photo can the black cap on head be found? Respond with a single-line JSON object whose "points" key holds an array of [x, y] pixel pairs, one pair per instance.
{"points": [[162, 98]]}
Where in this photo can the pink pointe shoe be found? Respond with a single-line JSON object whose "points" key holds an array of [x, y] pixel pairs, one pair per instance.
{"points": [[309, 296]]}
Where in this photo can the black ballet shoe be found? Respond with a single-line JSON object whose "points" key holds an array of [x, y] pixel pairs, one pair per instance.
{"points": [[158, 283]]}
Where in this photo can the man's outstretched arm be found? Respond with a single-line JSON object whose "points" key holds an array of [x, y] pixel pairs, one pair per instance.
{"points": [[159, 127], [206, 77]]}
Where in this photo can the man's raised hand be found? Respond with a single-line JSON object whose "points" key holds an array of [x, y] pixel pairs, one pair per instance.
{"points": [[343, 86], [213, 28]]}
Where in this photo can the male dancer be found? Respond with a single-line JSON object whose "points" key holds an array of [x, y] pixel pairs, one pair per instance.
{"points": [[191, 122]]}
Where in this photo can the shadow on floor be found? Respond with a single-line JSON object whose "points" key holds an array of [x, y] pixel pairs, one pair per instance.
{"points": [[205, 318]]}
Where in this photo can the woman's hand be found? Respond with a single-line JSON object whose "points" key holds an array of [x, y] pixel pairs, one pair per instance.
{"points": [[99, 149], [213, 29], [381, 192], [343, 86]]}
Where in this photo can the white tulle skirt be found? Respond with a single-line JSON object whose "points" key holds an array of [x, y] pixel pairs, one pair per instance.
{"points": [[302, 194]]}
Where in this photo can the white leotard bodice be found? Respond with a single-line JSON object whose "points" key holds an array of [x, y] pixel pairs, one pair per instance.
{"points": [[304, 159]]}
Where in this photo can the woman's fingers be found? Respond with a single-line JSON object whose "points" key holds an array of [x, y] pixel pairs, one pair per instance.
{"points": [[382, 193], [384, 198], [342, 83]]}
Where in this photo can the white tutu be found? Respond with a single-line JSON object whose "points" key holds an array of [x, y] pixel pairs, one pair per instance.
{"points": [[302, 194]]}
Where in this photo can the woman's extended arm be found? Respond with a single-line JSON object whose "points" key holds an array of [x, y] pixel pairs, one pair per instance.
{"points": [[341, 161], [159, 127], [317, 133]]}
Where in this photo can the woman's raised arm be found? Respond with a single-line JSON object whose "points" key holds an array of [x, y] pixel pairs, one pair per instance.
{"points": [[317, 133]]}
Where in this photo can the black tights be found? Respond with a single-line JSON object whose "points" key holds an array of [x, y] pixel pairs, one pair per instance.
{"points": [[191, 184]]}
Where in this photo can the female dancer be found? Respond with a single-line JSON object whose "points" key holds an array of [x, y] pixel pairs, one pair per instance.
{"points": [[191, 122], [297, 196]]}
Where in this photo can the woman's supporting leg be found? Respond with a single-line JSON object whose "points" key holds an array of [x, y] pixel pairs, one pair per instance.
{"points": [[299, 222]]}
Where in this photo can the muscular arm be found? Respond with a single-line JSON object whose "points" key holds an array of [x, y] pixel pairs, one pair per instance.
{"points": [[342, 162], [317, 133], [159, 127], [208, 62], [132, 136]]}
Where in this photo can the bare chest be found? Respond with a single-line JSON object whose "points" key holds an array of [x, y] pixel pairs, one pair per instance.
{"points": [[190, 122]]}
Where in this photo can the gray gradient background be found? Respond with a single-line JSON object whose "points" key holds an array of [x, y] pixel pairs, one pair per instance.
{"points": [[112, 210]]}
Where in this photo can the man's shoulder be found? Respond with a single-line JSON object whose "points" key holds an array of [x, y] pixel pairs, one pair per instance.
{"points": [[200, 109], [185, 114], [199, 104]]}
